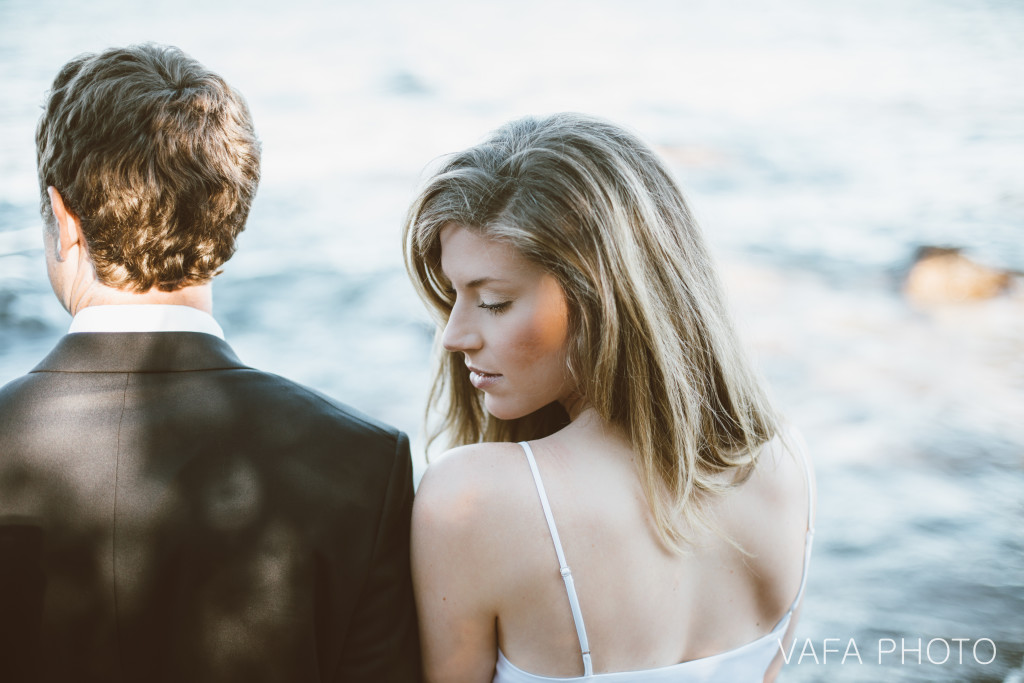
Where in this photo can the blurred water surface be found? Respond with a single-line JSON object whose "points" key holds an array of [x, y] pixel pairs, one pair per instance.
{"points": [[819, 142]]}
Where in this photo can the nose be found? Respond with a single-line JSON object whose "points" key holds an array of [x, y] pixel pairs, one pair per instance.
{"points": [[460, 334]]}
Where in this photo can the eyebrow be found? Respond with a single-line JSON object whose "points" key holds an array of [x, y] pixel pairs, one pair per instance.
{"points": [[478, 282]]}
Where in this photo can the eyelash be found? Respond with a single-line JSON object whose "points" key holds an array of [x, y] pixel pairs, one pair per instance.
{"points": [[496, 308]]}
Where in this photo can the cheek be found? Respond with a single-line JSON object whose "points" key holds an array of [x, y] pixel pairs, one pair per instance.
{"points": [[541, 339], [535, 350]]}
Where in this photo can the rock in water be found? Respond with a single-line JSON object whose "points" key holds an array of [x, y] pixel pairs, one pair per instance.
{"points": [[943, 275]]}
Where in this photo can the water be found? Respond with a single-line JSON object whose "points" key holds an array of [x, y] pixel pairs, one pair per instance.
{"points": [[819, 142]]}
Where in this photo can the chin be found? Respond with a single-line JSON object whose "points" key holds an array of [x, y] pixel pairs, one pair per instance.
{"points": [[506, 410], [504, 414], [550, 416]]}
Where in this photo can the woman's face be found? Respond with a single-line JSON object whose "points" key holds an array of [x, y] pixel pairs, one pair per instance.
{"points": [[510, 321]]}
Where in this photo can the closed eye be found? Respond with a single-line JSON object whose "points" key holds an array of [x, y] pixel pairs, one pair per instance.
{"points": [[496, 308]]}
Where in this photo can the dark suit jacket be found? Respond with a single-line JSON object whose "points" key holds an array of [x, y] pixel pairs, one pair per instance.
{"points": [[169, 514]]}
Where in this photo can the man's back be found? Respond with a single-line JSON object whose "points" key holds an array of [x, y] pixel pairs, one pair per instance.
{"points": [[167, 513]]}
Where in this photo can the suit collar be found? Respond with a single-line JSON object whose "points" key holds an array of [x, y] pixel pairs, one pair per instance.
{"points": [[139, 352]]}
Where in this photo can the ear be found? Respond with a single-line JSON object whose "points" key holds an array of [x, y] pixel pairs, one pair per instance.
{"points": [[69, 228]]}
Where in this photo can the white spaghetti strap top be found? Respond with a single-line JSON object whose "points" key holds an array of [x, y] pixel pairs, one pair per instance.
{"points": [[570, 587], [746, 663]]}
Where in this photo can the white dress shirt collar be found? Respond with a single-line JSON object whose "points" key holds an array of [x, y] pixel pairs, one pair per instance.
{"points": [[144, 318]]}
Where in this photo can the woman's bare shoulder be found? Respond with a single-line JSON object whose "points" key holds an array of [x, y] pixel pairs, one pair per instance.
{"points": [[767, 514], [469, 487], [469, 525], [770, 513], [784, 476]]}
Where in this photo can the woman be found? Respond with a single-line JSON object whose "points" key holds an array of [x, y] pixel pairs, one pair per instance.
{"points": [[582, 317]]}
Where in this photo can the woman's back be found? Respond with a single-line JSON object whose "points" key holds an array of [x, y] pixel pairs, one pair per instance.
{"points": [[643, 606]]}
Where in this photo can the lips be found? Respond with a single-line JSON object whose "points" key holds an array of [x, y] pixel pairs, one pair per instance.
{"points": [[482, 380]]}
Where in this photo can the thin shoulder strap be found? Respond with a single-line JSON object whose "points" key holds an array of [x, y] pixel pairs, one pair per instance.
{"points": [[809, 537], [570, 587], [805, 458]]}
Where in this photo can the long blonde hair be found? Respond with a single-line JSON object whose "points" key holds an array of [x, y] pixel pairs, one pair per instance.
{"points": [[652, 347]]}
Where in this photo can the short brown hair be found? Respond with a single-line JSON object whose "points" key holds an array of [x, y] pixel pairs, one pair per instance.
{"points": [[157, 157]]}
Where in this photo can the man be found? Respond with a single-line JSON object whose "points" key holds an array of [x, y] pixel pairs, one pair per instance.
{"points": [[166, 512]]}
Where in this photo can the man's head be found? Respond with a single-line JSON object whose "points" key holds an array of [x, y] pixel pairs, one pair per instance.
{"points": [[155, 157]]}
